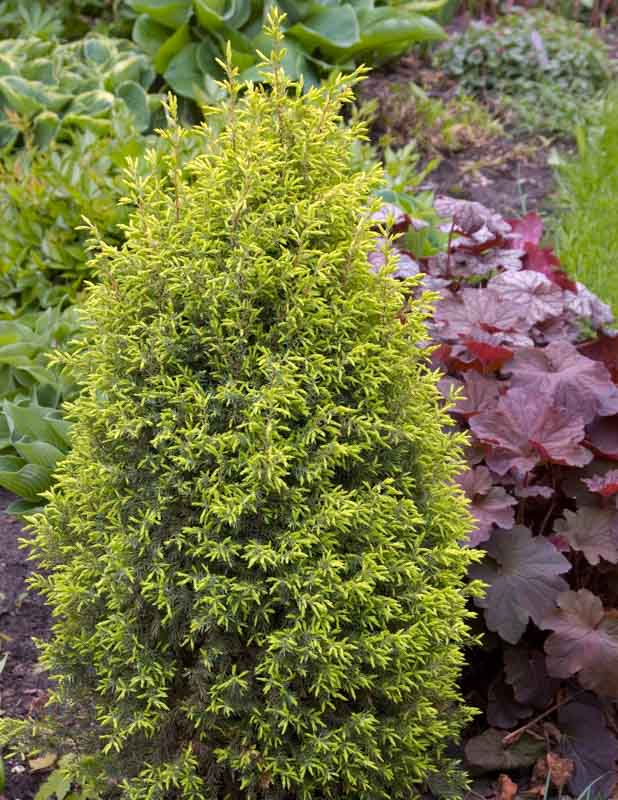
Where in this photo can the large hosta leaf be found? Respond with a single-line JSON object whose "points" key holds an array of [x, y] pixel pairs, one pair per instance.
{"points": [[171, 13], [329, 27], [526, 429], [584, 642], [522, 573], [593, 531]]}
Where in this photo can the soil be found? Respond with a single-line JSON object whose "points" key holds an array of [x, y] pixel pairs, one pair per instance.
{"points": [[23, 617], [509, 173]]}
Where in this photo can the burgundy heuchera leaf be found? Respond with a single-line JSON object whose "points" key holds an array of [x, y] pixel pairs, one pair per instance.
{"points": [[593, 531], [584, 642], [605, 485], [526, 430], [523, 577], [568, 379], [490, 505]]}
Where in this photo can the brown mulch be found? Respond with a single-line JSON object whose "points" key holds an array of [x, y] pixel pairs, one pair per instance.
{"points": [[23, 617]]}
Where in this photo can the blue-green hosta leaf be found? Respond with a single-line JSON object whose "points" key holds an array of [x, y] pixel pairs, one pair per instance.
{"points": [[136, 101], [187, 77], [8, 136], [97, 51], [46, 127], [329, 28], [171, 13], [92, 104], [149, 35], [213, 14], [127, 69], [24, 480], [28, 97]]}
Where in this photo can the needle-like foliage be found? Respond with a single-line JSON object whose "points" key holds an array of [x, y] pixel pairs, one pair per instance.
{"points": [[252, 549]]}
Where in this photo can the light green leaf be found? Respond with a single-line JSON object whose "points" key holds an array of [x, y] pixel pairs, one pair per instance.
{"points": [[27, 481], [33, 421], [328, 28], [170, 47], [29, 97], [387, 30], [171, 13], [41, 453], [46, 127], [149, 35], [136, 101], [55, 787], [212, 14], [92, 104], [183, 73]]}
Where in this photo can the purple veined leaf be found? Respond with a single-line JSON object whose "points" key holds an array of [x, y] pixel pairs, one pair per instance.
{"points": [[479, 394], [584, 642], [534, 491], [525, 670], [489, 505], [523, 577], [405, 265], [587, 740], [604, 349], [586, 305], [561, 329], [526, 430], [503, 710], [568, 379], [592, 531], [475, 218], [602, 437], [605, 485], [460, 314], [538, 297]]}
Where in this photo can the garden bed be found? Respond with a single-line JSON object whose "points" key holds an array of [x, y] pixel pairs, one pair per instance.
{"points": [[23, 617]]}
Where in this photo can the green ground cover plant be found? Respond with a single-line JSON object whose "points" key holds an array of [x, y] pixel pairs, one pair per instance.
{"points": [[584, 230], [548, 71], [252, 546], [185, 37]]}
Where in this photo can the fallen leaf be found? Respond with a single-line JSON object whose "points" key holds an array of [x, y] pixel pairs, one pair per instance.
{"points": [[43, 762], [507, 790], [561, 769]]}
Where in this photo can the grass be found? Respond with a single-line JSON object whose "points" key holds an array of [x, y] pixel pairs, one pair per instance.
{"points": [[586, 232]]}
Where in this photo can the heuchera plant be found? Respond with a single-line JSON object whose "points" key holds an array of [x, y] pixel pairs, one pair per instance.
{"points": [[536, 370]]}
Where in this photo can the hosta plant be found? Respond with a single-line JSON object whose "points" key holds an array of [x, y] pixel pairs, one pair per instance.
{"points": [[251, 551], [537, 373], [50, 90], [185, 38]]}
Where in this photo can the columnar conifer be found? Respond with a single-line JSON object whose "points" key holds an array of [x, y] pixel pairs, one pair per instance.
{"points": [[252, 549]]}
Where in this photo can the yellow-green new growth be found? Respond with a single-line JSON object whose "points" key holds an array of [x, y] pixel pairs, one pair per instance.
{"points": [[252, 549]]}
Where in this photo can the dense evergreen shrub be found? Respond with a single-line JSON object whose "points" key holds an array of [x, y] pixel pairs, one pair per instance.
{"points": [[252, 549]]}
